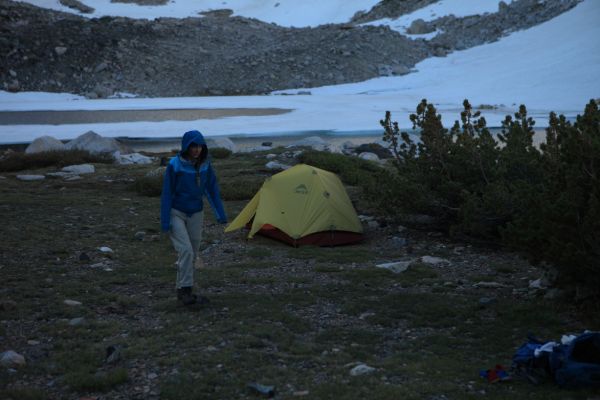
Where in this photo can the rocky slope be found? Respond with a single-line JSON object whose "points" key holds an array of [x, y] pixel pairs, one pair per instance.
{"points": [[217, 54]]}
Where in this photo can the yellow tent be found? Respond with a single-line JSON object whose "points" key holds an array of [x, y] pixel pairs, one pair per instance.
{"points": [[302, 205]]}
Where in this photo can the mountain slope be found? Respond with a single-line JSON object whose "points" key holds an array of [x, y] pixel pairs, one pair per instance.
{"points": [[219, 55]]}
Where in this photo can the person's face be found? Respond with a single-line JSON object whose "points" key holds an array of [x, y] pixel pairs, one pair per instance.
{"points": [[194, 151]]}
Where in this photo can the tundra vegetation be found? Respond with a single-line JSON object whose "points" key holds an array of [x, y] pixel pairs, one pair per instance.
{"points": [[300, 319]]}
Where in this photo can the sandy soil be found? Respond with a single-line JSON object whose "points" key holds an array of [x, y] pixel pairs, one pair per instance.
{"points": [[113, 116]]}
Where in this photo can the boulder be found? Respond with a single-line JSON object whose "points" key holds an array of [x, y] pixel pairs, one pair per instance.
{"points": [[160, 171], [361, 369], [31, 177], [256, 148], [223, 142], [11, 359], [368, 156], [316, 143], [435, 261], [396, 267], [419, 27], [276, 165], [44, 143], [79, 169], [133, 158], [94, 143]]}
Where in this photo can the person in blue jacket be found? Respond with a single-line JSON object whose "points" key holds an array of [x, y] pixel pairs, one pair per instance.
{"points": [[189, 176]]}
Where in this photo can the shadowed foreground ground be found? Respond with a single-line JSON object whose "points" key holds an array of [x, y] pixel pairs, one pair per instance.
{"points": [[297, 319]]}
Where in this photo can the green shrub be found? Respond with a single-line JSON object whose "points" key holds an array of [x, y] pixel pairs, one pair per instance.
{"points": [[86, 381], [351, 170], [150, 186], [241, 187], [22, 161], [544, 201], [220, 152]]}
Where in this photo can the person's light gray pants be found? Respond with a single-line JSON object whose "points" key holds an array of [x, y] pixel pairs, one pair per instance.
{"points": [[186, 234]]}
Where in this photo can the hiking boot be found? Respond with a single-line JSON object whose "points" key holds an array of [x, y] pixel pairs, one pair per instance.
{"points": [[185, 296]]}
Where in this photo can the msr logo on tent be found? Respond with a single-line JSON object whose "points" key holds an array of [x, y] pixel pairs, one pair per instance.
{"points": [[301, 189]]}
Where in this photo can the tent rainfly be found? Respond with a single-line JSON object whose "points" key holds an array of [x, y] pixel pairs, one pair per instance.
{"points": [[302, 205]]}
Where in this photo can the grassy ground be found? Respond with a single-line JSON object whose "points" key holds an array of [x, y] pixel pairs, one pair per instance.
{"points": [[296, 319]]}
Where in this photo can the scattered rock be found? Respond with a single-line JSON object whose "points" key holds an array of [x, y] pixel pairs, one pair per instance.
{"points": [[133, 158], [486, 301], [44, 143], [113, 354], [489, 285], [396, 267], [105, 249], [264, 390], [76, 321], [435, 261], [72, 303], [140, 235], [362, 369], [419, 27], [368, 156], [8, 305], [12, 359], [222, 142], [276, 165], [160, 171], [29, 178], [537, 284], [79, 169], [94, 143]]}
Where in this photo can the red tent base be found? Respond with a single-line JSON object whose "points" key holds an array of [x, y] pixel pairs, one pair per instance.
{"points": [[325, 238]]}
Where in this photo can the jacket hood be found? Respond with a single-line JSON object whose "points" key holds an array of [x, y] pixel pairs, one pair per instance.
{"points": [[192, 137]]}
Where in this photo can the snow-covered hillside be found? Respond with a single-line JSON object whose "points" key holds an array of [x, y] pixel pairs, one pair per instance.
{"points": [[282, 12], [550, 67]]}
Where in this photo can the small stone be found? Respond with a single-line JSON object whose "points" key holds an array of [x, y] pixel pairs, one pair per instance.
{"points": [[76, 321], [33, 342], [7, 305], [11, 359], [486, 301], [537, 284], [113, 354], [489, 285], [435, 261], [79, 169], [29, 178], [396, 267], [152, 375], [105, 249], [140, 235], [361, 369], [72, 303]]}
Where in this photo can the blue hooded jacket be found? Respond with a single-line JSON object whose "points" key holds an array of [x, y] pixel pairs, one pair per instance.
{"points": [[184, 184]]}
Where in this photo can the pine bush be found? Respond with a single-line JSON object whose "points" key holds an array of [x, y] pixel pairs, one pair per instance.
{"points": [[544, 201]]}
